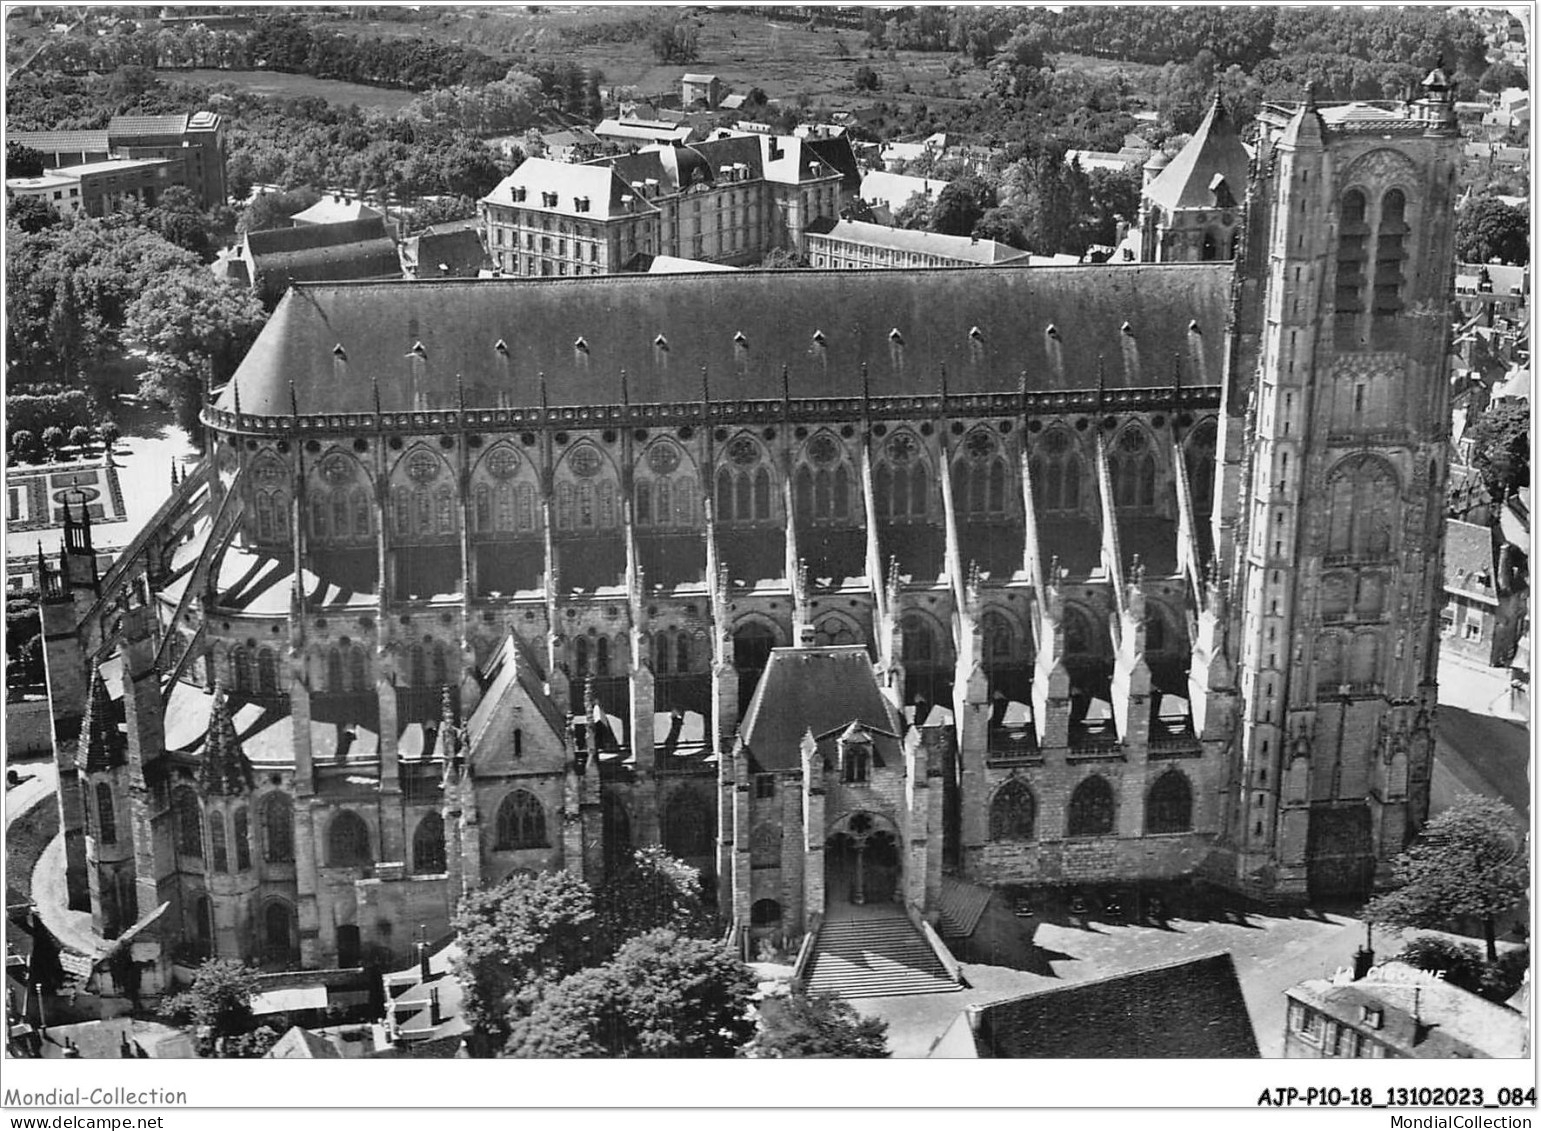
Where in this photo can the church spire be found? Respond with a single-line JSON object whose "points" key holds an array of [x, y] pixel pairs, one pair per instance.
{"points": [[103, 742], [225, 770]]}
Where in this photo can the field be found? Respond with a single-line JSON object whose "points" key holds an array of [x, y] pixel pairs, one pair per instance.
{"points": [[273, 84], [784, 59]]}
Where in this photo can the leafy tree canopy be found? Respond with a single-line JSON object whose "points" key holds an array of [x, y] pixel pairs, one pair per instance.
{"points": [[1470, 861], [1487, 229], [1500, 442], [22, 161], [801, 1025], [662, 996], [525, 930], [653, 891], [218, 1002]]}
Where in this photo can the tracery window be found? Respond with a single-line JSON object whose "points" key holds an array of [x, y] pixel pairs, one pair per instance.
{"points": [[106, 818], [347, 841], [1199, 456], [277, 828], [743, 489], [1013, 812], [242, 840], [1055, 467], [1169, 806], [218, 845], [1091, 808], [521, 822], [1362, 497], [1134, 469], [428, 855]]}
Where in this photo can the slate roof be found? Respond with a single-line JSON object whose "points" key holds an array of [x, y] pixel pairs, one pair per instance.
{"points": [[359, 249], [836, 153], [1469, 559], [895, 189], [916, 241], [596, 183], [147, 125], [441, 255], [62, 141], [1215, 149], [905, 325], [1192, 1008], [822, 690], [511, 666]]}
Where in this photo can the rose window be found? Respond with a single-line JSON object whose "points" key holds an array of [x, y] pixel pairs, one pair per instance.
{"points": [[503, 462], [662, 459]]}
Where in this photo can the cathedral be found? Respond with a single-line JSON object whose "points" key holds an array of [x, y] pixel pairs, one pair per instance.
{"points": [[832, 583]]}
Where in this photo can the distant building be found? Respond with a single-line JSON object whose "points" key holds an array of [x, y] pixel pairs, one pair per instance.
{"points": [[673, 265], [701, 88], [196, 140], [1192, 1008], [1398, 1012], [889, 192], [422, 1002], [101, 187], [270, 262], [572, 145], [551, 218], [302, 1044], [724, 201], [855, 244], [336, 209], [449, 251], [1492, 290], [639, 131]]}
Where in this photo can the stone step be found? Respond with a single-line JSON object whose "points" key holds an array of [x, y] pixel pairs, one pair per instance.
{"points": [[877, 957], [961, 906]]}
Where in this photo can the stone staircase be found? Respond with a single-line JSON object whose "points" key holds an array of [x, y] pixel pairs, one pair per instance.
{"points": [[875, 957], [960, 908]]}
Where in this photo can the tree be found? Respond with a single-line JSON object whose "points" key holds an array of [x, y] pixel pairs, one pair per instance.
{"points": [[806, 1026], [196, 329], [24, 445], [654, 890], [960, 206], [179, 219], [663, 995], [442, 210], [1500, 445], [273, 209], [109, 433], [914, 213], [80, 436], [31, 213], [782, 259], [512, 937], [1487, 229], [866, 78], [1470, 861], [22, 160], [218, 1003], [53, 440], [675, 40]]}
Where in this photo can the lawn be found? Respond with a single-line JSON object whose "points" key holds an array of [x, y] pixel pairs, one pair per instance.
{"points": [[275, 84]]}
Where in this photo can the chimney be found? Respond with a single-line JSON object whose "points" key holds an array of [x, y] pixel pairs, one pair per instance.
{"points": [[434, 1016], [1364, 957]]}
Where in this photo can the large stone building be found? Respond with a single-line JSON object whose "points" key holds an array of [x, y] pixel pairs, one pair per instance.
{"points": [[830, 582], [197, 142]]}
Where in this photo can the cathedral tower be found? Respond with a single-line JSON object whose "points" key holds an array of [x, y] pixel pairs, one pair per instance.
{"points": [[1339, 415]]}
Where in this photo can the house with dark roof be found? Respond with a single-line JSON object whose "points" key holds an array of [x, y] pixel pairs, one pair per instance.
{"points": [[1487, 591], [1396, 1011], [448, 251], [276, 259], [1192, 1008]]}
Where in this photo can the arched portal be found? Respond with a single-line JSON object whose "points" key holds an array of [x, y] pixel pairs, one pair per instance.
{"points": [[862, 864]]}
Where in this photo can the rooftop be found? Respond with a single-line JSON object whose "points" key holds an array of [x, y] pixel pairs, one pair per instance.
{"points": [[422, 345], [1215, 150], [1469, 560], [822, 690], [590, 192], [916, 241], [1192, 1008], [336, 210], [1423, 1016]]}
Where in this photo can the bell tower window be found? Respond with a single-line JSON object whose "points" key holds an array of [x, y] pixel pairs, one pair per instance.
{"points": [[1353, 237]]}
